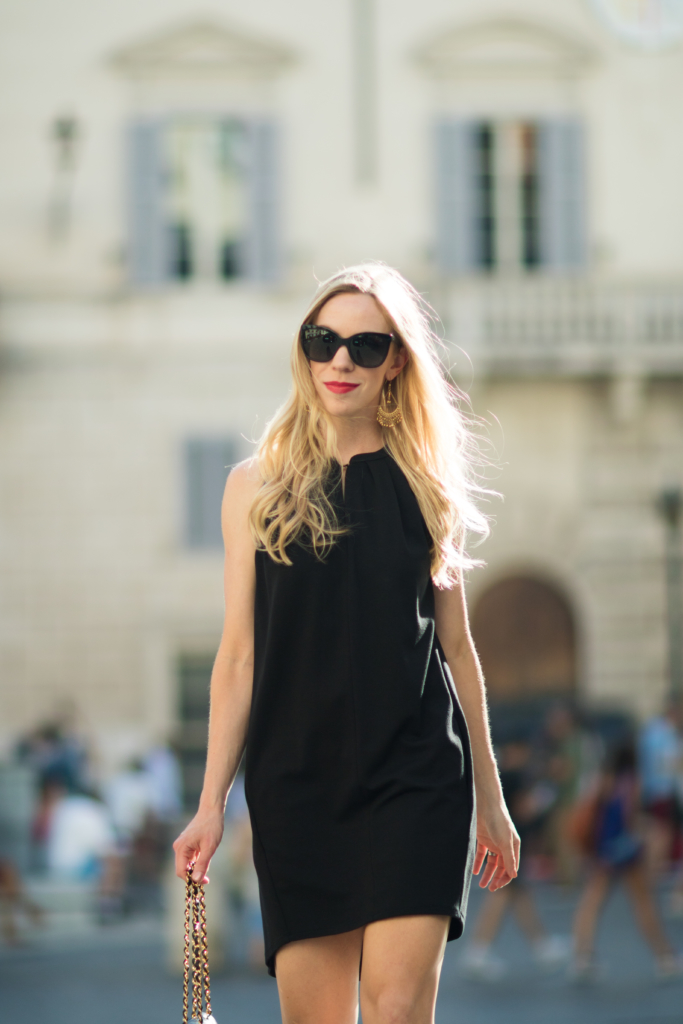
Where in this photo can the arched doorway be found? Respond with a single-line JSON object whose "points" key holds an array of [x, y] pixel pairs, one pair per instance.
{"points": [[524, 632]]}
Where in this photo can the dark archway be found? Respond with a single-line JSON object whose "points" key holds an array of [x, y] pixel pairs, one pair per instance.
{"points": [[524, 632]]}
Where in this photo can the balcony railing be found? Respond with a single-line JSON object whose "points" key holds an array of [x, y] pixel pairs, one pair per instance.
{"points": [[568, 326]]}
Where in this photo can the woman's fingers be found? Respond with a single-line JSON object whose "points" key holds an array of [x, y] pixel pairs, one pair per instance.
{"points": [[501, 877], [196, 846], [489, 870], [500, 867], [201, 866], [479, 858], [185, 853], [509, 861]]}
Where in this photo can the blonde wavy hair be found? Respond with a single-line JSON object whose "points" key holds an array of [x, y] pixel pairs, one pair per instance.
{"points": [[434, 445]]}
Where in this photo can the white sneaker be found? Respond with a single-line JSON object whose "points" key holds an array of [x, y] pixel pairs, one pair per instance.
{"points": [[583, 970], [669, 967], [480, 964], [552, 951]]}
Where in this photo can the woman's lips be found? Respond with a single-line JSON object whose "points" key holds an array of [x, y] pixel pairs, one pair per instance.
{"points": [[339, 387]]}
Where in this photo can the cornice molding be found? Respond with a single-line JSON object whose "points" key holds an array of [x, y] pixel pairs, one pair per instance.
{"points": [[203, 49], [505, 47]]}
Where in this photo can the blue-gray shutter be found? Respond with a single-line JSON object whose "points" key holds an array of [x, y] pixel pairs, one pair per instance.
{"points": [[263, 243], [207, 464], [457, 197], [562, 194], [148, 236]]}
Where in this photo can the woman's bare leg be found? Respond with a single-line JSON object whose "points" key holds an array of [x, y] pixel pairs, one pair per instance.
{"points": [[402, 960], [588, 910], [318, 979], [638, 888]]}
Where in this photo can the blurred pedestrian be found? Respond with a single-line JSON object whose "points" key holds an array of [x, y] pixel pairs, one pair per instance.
{"points": [[660, 751], [347, 661], [15, 905], [55, 748], [129, 799], [81, 844], [616, 854], [527, 800], [572, 758], [165, 782]]}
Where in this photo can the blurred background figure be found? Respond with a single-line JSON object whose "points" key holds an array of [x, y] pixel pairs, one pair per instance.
{"points": [[129, 799], [15, 905], [571, 758], [528, 800], [660, 750], [615, 853], [165, 783], [80, 843], [56, 748]]}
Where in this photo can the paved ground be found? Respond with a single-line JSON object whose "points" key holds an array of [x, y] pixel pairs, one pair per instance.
{"points": [[118, 975]]}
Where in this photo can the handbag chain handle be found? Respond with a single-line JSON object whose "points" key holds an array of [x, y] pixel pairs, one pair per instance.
{"points": [[196, 954]]}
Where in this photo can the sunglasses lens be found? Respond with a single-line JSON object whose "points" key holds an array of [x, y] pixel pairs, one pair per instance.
{"points": [[369, 350], [318, 343]]}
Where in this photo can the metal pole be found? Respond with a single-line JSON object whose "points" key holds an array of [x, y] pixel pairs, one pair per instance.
{"points": [[670, 506]]}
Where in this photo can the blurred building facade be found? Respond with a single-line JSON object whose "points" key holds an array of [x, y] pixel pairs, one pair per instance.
{"points": [[175, 177]]}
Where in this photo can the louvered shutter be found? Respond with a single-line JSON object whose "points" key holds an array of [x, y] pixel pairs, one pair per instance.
{"points": [[263, 244], [458, 199], [207, 464], [148, 234], [562, 194]]}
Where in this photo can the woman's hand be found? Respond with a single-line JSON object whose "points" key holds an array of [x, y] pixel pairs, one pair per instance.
{"points": [[497, 837], [198, 843]]}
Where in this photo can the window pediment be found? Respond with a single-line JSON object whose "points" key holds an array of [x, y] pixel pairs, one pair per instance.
{"points": [[505, 47], [203, 49]]}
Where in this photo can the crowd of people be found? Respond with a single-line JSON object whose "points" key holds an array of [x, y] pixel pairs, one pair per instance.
{"points": [[113, 837], [592, 812]]}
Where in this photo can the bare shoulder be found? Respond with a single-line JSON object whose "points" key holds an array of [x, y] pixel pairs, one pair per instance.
{"points": [[243, 481], [242, 485]]}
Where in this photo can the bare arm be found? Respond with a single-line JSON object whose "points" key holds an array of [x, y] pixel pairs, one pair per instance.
{"points": [[231, 679], [495, 832]]}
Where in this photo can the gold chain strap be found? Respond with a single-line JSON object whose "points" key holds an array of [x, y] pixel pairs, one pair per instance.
{"points": [[196, 952]]}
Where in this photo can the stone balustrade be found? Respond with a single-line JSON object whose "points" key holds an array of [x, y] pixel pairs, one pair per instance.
{"points": [[568, 326]]}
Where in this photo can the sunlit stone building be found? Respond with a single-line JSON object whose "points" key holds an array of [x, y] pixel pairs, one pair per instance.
{"points": [[175, 176]]}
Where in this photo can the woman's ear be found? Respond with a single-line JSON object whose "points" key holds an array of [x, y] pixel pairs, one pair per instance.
{"points": [[398, 362]]}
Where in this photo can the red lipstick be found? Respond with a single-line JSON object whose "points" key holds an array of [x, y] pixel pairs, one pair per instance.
{"points": [[339, 387]]}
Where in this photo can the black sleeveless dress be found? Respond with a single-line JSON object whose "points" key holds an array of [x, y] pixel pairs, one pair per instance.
{"points": [[358, 766]]}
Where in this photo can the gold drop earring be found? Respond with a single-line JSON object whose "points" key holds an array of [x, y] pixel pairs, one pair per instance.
{"points": [[388, 411]]}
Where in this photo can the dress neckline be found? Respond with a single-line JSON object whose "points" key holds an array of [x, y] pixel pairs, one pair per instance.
{"points": [[380, 453]]}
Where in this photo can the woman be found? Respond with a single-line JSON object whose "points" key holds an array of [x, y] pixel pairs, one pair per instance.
{"points": [[345, 628]]}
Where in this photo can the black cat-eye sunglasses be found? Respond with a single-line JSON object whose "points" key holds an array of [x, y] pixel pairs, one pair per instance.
{"points": [[367, 349]]}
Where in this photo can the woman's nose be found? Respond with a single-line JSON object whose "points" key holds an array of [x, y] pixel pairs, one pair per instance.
{"points": [[342, 360]]}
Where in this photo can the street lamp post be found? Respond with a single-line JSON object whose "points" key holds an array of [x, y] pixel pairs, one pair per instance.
{"points": [[670, 506]]}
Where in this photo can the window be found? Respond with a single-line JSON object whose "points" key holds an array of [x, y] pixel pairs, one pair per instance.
{"points": [[202, 194], [207, 464], [510, 195]]}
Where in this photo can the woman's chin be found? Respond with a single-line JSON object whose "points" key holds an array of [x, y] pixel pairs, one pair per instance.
{"points": [[345, 411]]}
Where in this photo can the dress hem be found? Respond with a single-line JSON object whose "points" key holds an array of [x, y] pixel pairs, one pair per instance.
{"points": [[455, 929]]}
